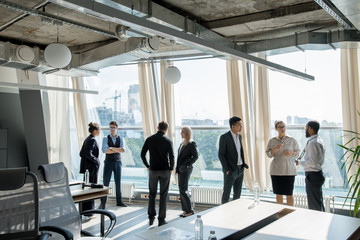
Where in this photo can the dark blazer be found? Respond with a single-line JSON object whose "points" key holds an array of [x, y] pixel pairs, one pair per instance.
{"points": [[187, 156], [89, 155], [228, 154]]}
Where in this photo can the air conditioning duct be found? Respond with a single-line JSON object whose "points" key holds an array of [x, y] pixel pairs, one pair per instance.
{"points": [[19, 56]]}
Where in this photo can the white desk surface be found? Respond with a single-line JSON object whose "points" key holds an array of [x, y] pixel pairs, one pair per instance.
{"points": [[231, 217], [308, 224]]}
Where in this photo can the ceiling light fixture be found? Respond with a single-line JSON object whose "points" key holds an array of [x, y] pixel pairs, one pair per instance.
{"points": [[172, 75], [57, 54]]}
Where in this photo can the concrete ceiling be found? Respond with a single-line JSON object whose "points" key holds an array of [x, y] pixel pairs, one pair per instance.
{"points": [[243, 26]]}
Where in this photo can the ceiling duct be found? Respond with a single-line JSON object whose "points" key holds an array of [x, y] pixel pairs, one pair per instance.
{"points": [[18, 56], [32, 58], [116, 53], [121, 33]]}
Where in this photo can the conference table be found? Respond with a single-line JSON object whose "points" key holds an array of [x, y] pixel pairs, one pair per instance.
{"points": [[240, 219], [80, 194]]}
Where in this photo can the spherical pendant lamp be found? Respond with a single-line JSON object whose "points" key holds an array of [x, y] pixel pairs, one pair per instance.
{"points": [[172, 75], [57, 55]]}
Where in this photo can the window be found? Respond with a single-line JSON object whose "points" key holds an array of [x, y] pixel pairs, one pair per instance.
{"points": [[296, 101], [118, 100], [201, 102]]}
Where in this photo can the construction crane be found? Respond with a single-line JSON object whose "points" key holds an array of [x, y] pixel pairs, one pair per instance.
{"points": [[115, 97]]}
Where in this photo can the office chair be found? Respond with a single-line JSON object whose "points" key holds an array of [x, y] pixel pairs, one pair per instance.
{"points": [[19, 205], [57, 207]]}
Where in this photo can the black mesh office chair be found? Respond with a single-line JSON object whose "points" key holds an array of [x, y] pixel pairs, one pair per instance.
{"points": [[19, 206], [57, 207]]}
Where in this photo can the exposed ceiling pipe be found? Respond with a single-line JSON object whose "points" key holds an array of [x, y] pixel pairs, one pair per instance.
{"points": [[30, 11]]}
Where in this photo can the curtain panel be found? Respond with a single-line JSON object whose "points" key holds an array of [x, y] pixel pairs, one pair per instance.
{"points": [[149, 108], [80, 109], [57, 120], [350, 89], [251, 103]]}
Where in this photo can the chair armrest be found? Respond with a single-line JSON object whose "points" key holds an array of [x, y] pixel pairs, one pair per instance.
{"points": [[102, 212], [60, 230], [44, 236], [109, 214]]}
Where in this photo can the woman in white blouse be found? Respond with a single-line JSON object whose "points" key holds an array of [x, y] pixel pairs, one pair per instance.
{"points": [[283, 149]]}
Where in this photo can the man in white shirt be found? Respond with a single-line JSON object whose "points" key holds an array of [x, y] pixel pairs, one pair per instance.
{"points": [[312, 164]]}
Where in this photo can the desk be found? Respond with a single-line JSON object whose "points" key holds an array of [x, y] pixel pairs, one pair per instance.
{"points": [[234, 216], [80, 195]]}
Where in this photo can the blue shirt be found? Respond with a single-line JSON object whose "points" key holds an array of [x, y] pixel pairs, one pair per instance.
{"points": [[105, 144]]}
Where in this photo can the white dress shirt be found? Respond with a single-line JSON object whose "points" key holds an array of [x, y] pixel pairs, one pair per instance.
{"points": [[238, 147], [282, 165], [314, 154]]}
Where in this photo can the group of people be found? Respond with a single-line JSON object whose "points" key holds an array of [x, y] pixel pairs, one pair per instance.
{"points": [[282, 148], [112, 146]]}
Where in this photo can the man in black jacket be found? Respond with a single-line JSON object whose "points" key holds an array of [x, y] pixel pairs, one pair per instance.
{"points": [[160, 168], [231, 155]]}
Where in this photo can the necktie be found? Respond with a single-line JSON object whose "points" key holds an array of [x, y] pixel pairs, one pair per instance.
{"points": [[303, 151]]}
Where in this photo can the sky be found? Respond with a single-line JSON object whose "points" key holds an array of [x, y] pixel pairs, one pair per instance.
{"points": [[202, 90]]}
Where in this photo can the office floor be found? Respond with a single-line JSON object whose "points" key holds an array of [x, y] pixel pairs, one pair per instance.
{"points": [[134, 219]]}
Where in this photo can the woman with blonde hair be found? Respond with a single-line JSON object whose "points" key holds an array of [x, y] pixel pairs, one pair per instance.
{"points": [[187, 155], [283, 149]]}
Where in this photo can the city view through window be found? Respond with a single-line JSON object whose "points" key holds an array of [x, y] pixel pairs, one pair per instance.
{"points": [[201, 102]]}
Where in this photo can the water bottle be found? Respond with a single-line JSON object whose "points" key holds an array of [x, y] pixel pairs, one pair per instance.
{"points": [[212, 235], [199, 228], [256, 194], [87, 177]]}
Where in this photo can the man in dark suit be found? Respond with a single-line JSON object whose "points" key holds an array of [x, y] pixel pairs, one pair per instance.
{"points": [[160, 168], [231, 155]]}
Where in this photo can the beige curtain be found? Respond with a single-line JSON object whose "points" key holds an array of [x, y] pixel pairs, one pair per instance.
{"points": [[81, 113], [262, 125], [252, 106], [167, 101], [350, 86], [168, 109], [58, 122], [239, 105], [149, 109]]}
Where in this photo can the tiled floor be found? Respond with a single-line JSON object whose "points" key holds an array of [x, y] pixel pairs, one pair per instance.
{"points": [[134, 219]]}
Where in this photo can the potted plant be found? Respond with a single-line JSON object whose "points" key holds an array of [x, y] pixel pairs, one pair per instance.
{"points": [[351, 159]]}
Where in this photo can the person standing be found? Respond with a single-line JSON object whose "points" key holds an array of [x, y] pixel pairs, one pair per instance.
{"points": [[112, 146], [187, 155], [231, 155], [312, 164], [160, 168], [89, 154], [282, 169]]}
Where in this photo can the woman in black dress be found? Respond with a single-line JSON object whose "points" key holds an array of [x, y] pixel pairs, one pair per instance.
{"points": [[90, 160], [187, 155]]}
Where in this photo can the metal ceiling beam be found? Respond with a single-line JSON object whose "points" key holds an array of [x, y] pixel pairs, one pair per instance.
{"points": [[105, 10], [35, 12], [332, 10], [307, 41], [265, 15]]}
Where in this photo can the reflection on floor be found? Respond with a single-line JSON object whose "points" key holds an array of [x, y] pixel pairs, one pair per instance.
{"points": [[134, 219]]}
